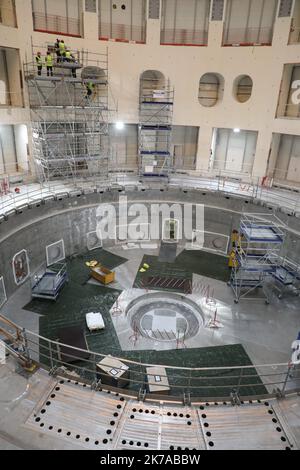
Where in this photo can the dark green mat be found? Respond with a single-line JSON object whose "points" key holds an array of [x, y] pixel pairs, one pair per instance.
{"points": [[78, 298], [204, 263]]}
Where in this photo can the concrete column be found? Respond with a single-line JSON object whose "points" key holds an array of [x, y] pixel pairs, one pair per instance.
{"points": [[153, 28], [204, 148], [281, 31], [90, 25], [263, 146]]}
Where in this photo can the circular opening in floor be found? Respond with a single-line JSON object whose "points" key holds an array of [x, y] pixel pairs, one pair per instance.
{"points": [[164, 316]]}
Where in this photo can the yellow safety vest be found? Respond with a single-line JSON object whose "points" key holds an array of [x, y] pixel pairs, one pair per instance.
{"points": [[232, 261], [49, 60], [61, 46], [68, 54], [39, 60], [90, 86]]}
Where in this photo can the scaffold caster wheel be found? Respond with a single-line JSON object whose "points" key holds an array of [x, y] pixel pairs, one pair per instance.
{"points": [[267, 302], [236, 301], [280, 296]]}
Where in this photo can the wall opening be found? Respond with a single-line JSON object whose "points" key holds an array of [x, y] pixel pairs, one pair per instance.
{"points": [[284, 161], [122, 20], [249, 22], [185, 23], [295, 25], [8, 13], [211, 89], [57, 16], [233, 150], [242, 88]]}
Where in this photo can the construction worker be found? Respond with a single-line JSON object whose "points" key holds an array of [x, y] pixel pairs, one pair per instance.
{"points": [[89, 89], [39, 62], [57, 50], [49, 63], [232, 261], [234, 238], [62, 48], [67, 55]]}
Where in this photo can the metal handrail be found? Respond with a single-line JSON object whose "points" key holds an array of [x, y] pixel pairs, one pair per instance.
{"points": [[32, 344]]}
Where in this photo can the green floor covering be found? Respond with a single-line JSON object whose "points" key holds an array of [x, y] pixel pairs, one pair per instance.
{"points": [[77, 298]]}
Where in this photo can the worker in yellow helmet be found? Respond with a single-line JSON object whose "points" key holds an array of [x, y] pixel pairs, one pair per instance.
{"points": [[49, 63], [39, 62], [62, 47], [67, 55]]}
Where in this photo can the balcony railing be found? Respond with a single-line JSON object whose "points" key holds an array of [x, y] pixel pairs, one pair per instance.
{"points": [[56, 24], [122, 32], [202, 383], [248, 37], [184, 37]]}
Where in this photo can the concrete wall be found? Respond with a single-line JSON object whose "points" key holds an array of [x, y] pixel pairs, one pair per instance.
{"points": [[71, 219]]}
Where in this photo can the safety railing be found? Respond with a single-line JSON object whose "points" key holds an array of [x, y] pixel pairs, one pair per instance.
{"points": [[122, 32], [8, 15], [199, 383], [24, 190], [56, 24], [184, 37], [248, 36]]}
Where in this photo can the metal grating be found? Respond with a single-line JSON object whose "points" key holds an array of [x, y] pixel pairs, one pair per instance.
{"points": [[217, 10], [90, 6], [285, 8], [154, 9]]}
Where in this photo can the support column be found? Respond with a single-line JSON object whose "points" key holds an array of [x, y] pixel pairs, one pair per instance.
{"points": [[263, 146], [153, 27]]}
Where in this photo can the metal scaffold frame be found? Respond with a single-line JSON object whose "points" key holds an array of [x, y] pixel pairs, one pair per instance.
{"points": [[155, 128], [70, 115], [257, 255]]}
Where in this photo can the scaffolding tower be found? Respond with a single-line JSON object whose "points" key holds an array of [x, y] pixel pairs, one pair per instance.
{"points": [[70, 115], [155, 129], [256, 256]]}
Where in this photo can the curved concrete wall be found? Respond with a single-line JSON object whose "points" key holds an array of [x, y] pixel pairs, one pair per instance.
{"points": [[71, 219]]}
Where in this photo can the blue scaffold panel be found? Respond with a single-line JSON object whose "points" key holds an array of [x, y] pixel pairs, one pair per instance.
{"points": [[154, 152], [261, 233], [285, 276], [149, 127], [169, 103]]}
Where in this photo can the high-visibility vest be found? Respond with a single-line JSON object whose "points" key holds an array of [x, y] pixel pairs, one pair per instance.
{"points": [[232, 261], [39, 60], [68, 55], [90, 86], [49, 60], [61, 46]]}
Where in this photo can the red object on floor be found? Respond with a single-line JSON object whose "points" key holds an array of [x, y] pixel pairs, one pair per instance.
{"points": [[17, 190]]}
